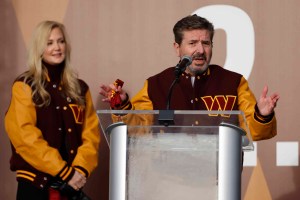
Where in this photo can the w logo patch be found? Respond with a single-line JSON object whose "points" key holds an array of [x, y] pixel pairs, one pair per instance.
{"points": [[77, 113], [219, 103]]}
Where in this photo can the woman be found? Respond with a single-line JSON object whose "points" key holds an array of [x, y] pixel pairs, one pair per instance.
{"points": [[51, 121]]}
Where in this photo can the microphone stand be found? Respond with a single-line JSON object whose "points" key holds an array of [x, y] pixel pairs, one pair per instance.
{"points": [[166, 117]]}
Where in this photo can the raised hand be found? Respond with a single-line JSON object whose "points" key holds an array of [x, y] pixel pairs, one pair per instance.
{"points": [[106, 91], [266, 104], [113, 93]]}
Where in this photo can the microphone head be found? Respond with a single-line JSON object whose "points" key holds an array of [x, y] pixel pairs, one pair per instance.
{"points": [[181, 66], [187, 59]]}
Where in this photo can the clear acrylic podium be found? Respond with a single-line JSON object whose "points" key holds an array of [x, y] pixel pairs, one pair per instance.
{"points": [[198, 156]]}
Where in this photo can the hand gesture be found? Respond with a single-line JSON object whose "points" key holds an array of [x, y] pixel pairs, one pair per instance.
{"points": [[107, 90], [265, 104]]}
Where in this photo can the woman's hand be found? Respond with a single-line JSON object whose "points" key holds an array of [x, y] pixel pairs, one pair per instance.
{"points": [[77, 181]]}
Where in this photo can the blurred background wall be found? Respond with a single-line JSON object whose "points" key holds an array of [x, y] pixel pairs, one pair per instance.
{"points": [[132, 40]]}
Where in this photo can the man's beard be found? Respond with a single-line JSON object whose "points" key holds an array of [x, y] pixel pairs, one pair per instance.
{"points": [[203, 68], [198, 71]]}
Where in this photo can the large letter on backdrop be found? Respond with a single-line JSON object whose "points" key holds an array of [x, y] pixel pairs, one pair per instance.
{"points": [[239, 32]]}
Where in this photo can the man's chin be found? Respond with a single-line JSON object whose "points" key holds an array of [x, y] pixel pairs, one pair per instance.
{"points": [[197, 69]]}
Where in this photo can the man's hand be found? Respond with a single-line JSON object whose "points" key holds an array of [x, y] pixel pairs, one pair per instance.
{"points": [[107, 90], [266, 105]]}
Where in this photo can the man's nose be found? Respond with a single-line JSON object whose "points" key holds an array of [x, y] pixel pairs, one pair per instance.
{"points": [[200, 47]]}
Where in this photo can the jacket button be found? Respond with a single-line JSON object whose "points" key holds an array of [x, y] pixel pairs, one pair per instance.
{"points": [[72, 151], [192, 101], [69, 130], [45, 178], [57, 107], [41, 185], [196, 99], [198, 77], [54, 86], [69, 99], [60, 129], [65, 107]]}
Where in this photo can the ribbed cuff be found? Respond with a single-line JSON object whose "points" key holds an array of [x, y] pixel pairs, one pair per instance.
{"points": [[82, 171], [260, 118], [126, 104], [66, 173]]}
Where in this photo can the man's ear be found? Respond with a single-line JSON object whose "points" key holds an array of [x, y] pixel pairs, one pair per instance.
{"points": [[176, 48]]}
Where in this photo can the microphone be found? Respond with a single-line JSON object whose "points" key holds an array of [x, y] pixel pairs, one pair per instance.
{"points": [[166, 117], [181, 66]]}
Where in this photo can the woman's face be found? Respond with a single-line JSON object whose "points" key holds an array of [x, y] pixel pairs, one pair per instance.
{"points": [[54, 53]]}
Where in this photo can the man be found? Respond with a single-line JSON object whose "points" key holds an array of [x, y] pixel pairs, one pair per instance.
{"points": [[201, 84]]}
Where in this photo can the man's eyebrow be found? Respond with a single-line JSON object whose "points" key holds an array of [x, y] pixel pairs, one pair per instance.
{"points": [[193, 40]]}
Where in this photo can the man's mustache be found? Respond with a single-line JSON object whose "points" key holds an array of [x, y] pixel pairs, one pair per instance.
{"points": [[199, 56]]}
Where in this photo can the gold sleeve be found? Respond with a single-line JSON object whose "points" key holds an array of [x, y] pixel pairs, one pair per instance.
{"points": [[246, 103], [141, 100], [27, 139], [87, 154]]}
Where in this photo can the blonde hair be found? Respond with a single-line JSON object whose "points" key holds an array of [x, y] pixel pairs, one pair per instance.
{"points": [[36, 76]]}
